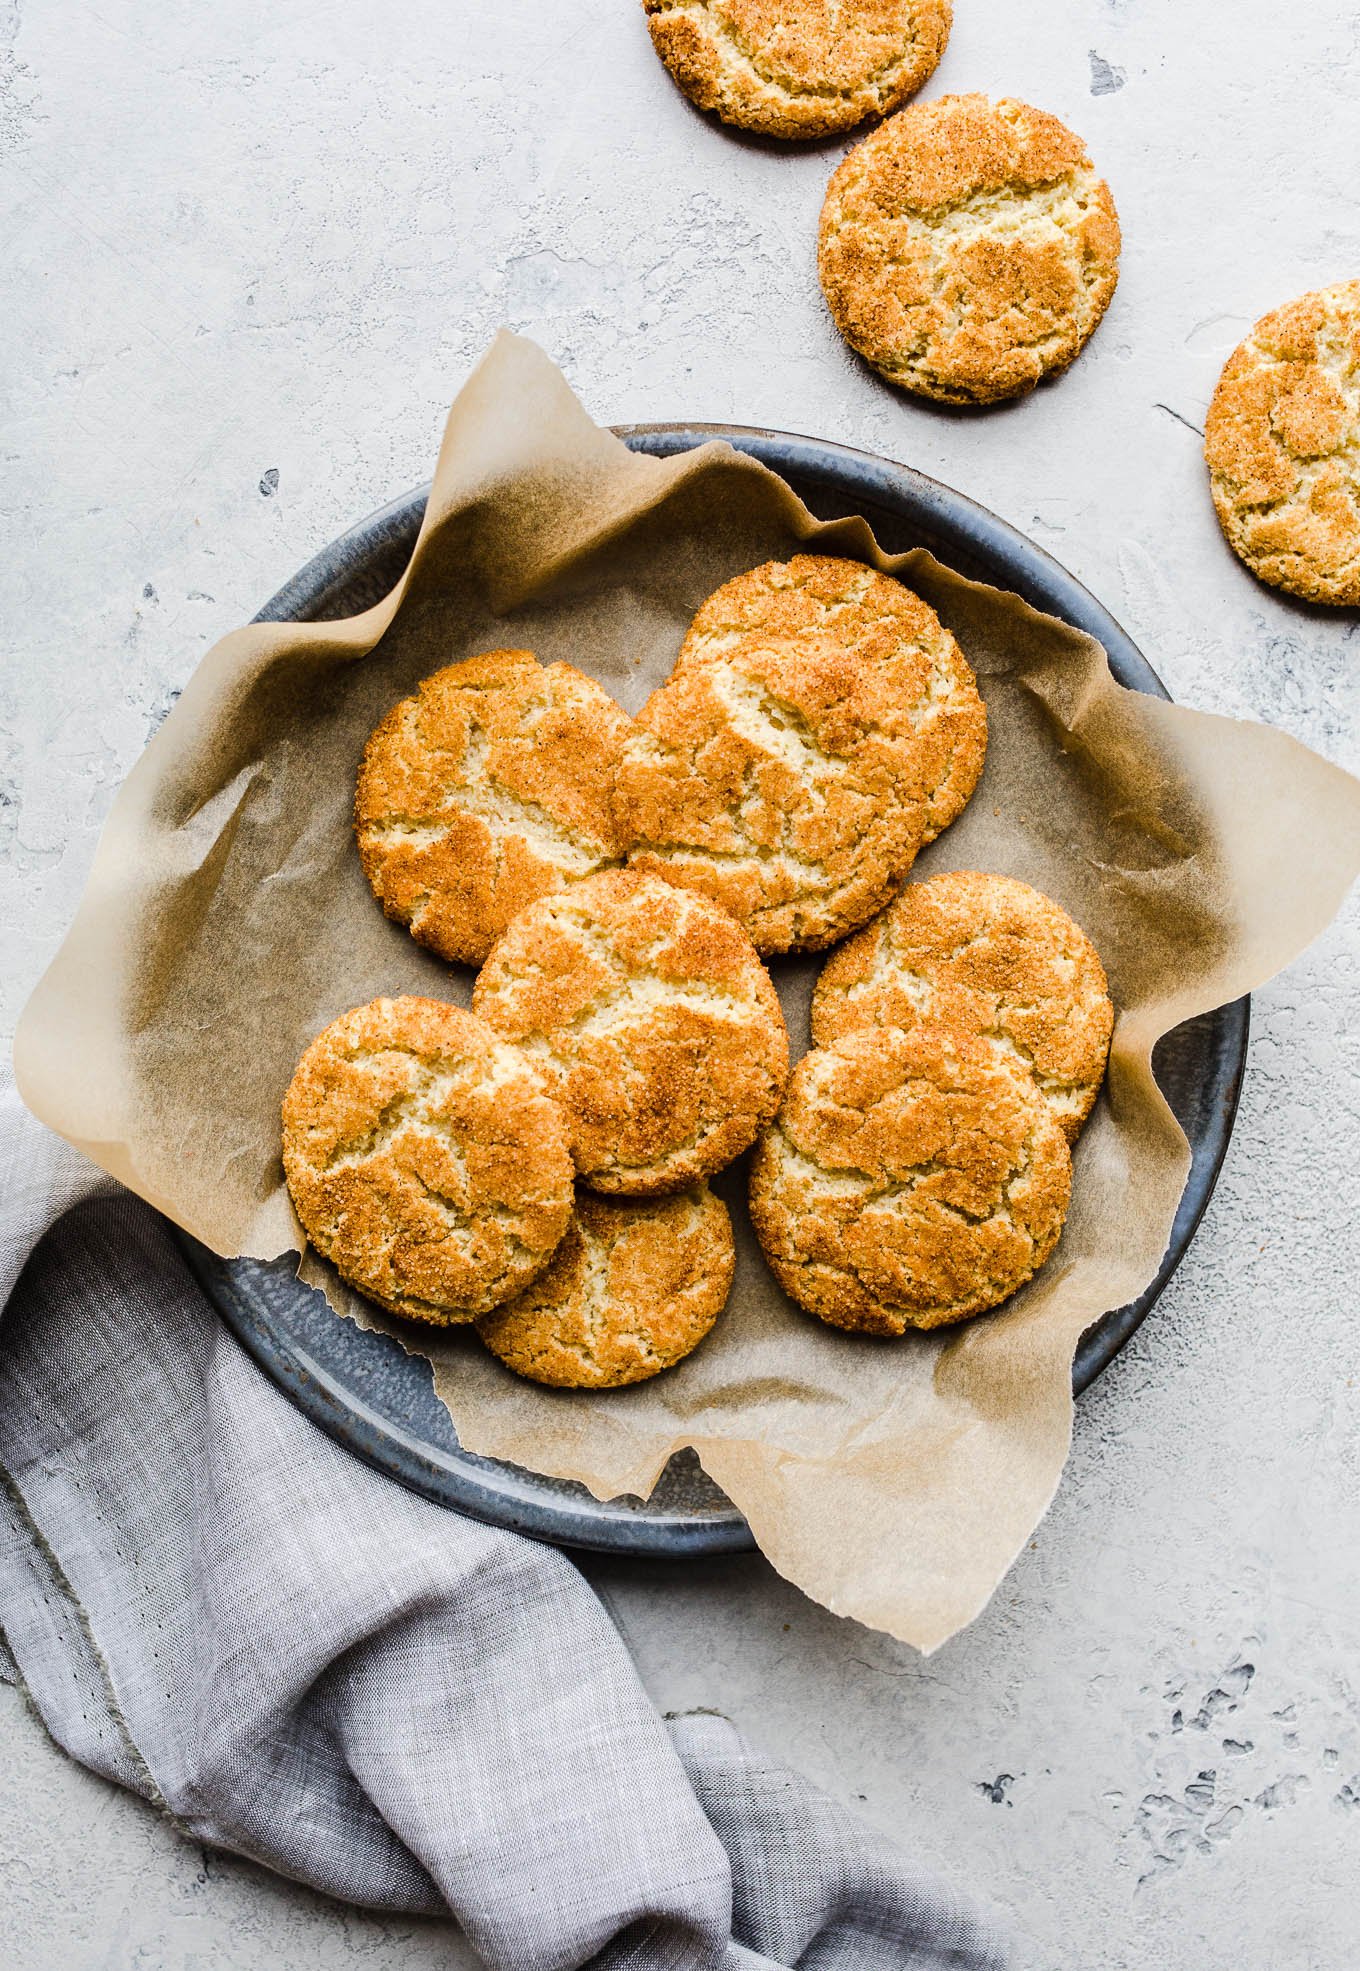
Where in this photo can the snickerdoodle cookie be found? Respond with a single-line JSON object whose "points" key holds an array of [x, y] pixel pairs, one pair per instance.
{"points": [[910, 1179], [985, 955], [799, 68], [820, 725], [487, 789], [881, 622], [653, 1022], [1282, 443], [635, 1285], [968, 248], [426, 1159]]}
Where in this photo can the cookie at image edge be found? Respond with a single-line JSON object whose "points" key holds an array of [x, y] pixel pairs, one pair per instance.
{"points": [[633, 1288], [425, 1159], [802, 68], [653, 1022], [968, 249], [487, 788], [910, 1180], [987, 955], [1282, 444]]}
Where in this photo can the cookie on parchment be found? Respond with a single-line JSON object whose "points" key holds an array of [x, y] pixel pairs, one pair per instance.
{"points": [[882, 623], [486, 789], [653, 1022], [986, 955], [1282, 443], [799, 68], [819, 727], [426, 1159], [633, 1288], [909, 1180], [968, 248]]}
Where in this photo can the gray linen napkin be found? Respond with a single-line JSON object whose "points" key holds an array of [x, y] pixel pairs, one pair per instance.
{"points": [[214, 1605]]}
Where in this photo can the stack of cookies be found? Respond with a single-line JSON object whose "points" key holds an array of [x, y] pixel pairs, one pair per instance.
{"points": [[540, 1165], [625, 1038], [920, 1168]]}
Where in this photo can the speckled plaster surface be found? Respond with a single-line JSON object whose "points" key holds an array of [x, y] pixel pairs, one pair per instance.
{"points": [[250, 252]]}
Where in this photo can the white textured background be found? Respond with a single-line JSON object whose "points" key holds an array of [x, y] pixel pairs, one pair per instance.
{"points": [[250, 251]]}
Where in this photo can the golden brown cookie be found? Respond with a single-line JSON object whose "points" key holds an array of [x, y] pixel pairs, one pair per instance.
{"points": [[653, 1021], [968, 248], [1282, 443], [799, 68], [820, 725], [910, 1179], [882, 623], [485, 790], [426, 1159], [633, 1288], [986, 955]]}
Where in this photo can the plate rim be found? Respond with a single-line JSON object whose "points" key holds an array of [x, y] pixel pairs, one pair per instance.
{"points": [[512, 1500], [955, 522]]}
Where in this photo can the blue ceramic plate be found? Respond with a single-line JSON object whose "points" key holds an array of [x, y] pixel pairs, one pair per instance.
{"points": [[362, 1387]]}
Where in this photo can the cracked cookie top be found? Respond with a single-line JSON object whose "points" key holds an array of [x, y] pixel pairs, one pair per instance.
{"points": [[653, 1021], [634, 1287], [968, 248], [799, 68], [488, 788], [425, 1159], [819, 726], [985, 955], [909, 1180], [1282, 443]]}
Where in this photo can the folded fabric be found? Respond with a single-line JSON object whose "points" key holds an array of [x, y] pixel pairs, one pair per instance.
{"points": [[212, 1604]]}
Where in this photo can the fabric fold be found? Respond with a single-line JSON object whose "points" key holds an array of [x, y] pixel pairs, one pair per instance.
{"points": [[212, 1604]]}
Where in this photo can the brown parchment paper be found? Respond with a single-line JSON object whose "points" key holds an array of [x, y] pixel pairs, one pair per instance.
{"points": [[226, 920]]}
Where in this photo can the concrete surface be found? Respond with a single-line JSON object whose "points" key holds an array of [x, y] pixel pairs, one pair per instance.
{"points": [[251, 251]]}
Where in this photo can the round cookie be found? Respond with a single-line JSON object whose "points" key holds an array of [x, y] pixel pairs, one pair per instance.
{"points": [[633, 1288], [818, 728], [425, 1159], [1282, 443], [985, 955], [799, 68], [888, 629], [910, 1180], [653, 1022], [487, 789], [968, 248]]}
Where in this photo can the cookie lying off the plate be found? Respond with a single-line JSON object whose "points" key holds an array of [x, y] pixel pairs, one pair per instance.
{"points": [[1282, 442], [802, 68], [633, 1288], [968, 248]]}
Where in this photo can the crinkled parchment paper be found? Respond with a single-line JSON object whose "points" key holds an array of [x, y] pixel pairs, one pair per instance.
{"points": [[227, 920]]}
